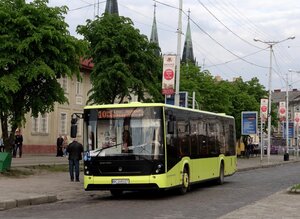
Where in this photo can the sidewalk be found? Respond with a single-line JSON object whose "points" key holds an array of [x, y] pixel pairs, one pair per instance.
{"points": [[51, 187]]}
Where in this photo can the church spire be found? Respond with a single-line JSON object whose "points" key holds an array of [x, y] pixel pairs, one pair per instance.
{"points": [[112, 7], [154, 35], [188, 54]]}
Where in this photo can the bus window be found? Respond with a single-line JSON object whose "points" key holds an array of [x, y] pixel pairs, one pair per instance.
{"points": [[193, 138], [183, 143]]}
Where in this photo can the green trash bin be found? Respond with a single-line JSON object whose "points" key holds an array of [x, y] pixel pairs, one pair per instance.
{"points": [[5, 161]]}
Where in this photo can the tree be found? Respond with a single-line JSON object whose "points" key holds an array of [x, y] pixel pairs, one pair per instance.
{"points": [[125, 62], [36, 49]]}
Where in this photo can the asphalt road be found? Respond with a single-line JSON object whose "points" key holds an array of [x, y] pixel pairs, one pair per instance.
{"points": [[204, 201]]}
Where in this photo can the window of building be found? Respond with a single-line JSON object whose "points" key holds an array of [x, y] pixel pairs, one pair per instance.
{"points": [[78, 87], [44, 123], [35, 124], [63, 123], [40, 124], [64, 84], [78, 92]]}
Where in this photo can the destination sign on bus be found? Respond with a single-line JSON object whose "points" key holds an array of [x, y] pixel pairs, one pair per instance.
{"points": [[120, 113]]}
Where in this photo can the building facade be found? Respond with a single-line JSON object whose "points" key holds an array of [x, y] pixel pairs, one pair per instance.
{"points": [[293, 107], [40, 133]]}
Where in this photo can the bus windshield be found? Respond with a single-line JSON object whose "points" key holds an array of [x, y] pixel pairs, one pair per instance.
{"points": [[125, 131]]}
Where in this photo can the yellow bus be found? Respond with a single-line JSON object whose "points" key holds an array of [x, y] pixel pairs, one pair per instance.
{"points": [[138, 146]]}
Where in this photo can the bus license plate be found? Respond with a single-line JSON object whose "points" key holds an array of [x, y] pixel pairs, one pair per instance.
{"points": [[120, 181]]}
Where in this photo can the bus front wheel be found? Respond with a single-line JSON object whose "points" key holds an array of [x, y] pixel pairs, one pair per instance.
{"points": [[185, 182], [221, 176]]}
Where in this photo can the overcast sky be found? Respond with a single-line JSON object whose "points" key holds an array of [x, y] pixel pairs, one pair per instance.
{"points": [[222, 33]]}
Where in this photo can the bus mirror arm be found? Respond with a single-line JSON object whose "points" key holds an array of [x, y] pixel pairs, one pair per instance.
{"points": [[171, 127], [74, 119]]}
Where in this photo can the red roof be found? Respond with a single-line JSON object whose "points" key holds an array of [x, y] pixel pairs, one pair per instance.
{"points": [[87, 64]]}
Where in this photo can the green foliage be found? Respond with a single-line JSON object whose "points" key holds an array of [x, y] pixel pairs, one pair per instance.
{"points": [[125, 62], [35, 50]]}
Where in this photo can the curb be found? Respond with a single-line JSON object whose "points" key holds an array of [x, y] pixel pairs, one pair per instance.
{"points": [[266, 165], [34, 200]]}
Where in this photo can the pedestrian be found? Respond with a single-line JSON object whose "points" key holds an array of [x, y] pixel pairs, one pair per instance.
{"points": [[126, 138], [75, 151], [1, 144], [65, 145], [18, 144], [59, 146]]}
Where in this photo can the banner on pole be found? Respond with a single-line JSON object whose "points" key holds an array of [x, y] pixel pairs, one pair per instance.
{"points": [[168, 75], [282, 111], [263, 109], [297, 118]]}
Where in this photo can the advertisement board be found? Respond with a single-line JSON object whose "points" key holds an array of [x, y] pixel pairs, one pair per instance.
{"points": [[249, 123]]}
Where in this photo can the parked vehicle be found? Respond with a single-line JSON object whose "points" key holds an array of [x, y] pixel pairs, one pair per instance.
{"points": [[273, 149]]}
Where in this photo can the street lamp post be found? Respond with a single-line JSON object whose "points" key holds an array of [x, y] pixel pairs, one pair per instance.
{"points": [[286, 156], [297, 128], [270, 44]]}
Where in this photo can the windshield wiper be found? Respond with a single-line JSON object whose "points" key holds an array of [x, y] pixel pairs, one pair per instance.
{"points": [[102, 149], [142, 146]]}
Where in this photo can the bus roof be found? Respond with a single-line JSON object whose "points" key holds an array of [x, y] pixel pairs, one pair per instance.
{"points": [[139, 104]]}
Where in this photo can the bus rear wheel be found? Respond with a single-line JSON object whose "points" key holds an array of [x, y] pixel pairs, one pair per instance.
{"points": [[185, 182]]}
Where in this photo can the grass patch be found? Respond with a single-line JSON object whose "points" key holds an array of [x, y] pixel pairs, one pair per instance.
{"points": [[297, 186], [52, 168], [19, 172]]}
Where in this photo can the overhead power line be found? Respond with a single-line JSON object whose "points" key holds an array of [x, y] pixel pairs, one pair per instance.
{"points": [[213, 39], [251, 44]]}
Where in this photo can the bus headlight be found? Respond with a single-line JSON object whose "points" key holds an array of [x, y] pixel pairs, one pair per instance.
{"points": [[159, 168], [86, 170]]}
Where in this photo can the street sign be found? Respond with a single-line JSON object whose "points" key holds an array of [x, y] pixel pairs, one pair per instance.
{"points": [[291, 130], [183, 99]]}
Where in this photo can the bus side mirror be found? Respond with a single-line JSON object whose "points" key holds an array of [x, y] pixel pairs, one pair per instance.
{"points": [[170, 127], [73, 131], [74, 127]]}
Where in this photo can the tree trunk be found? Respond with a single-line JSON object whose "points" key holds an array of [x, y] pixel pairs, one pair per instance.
{"points": [[8, 138]]}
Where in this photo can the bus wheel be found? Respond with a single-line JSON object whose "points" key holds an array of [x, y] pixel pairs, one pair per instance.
{"points": [[221, 176], [185, 182], [116, 192]]}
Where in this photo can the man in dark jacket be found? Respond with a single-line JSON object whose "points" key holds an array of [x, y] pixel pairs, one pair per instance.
{"points": [[18, 144], [75, 150]]}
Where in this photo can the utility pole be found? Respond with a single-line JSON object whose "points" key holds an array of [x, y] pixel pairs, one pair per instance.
{"points": [[179, 33], [270, 44]]}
